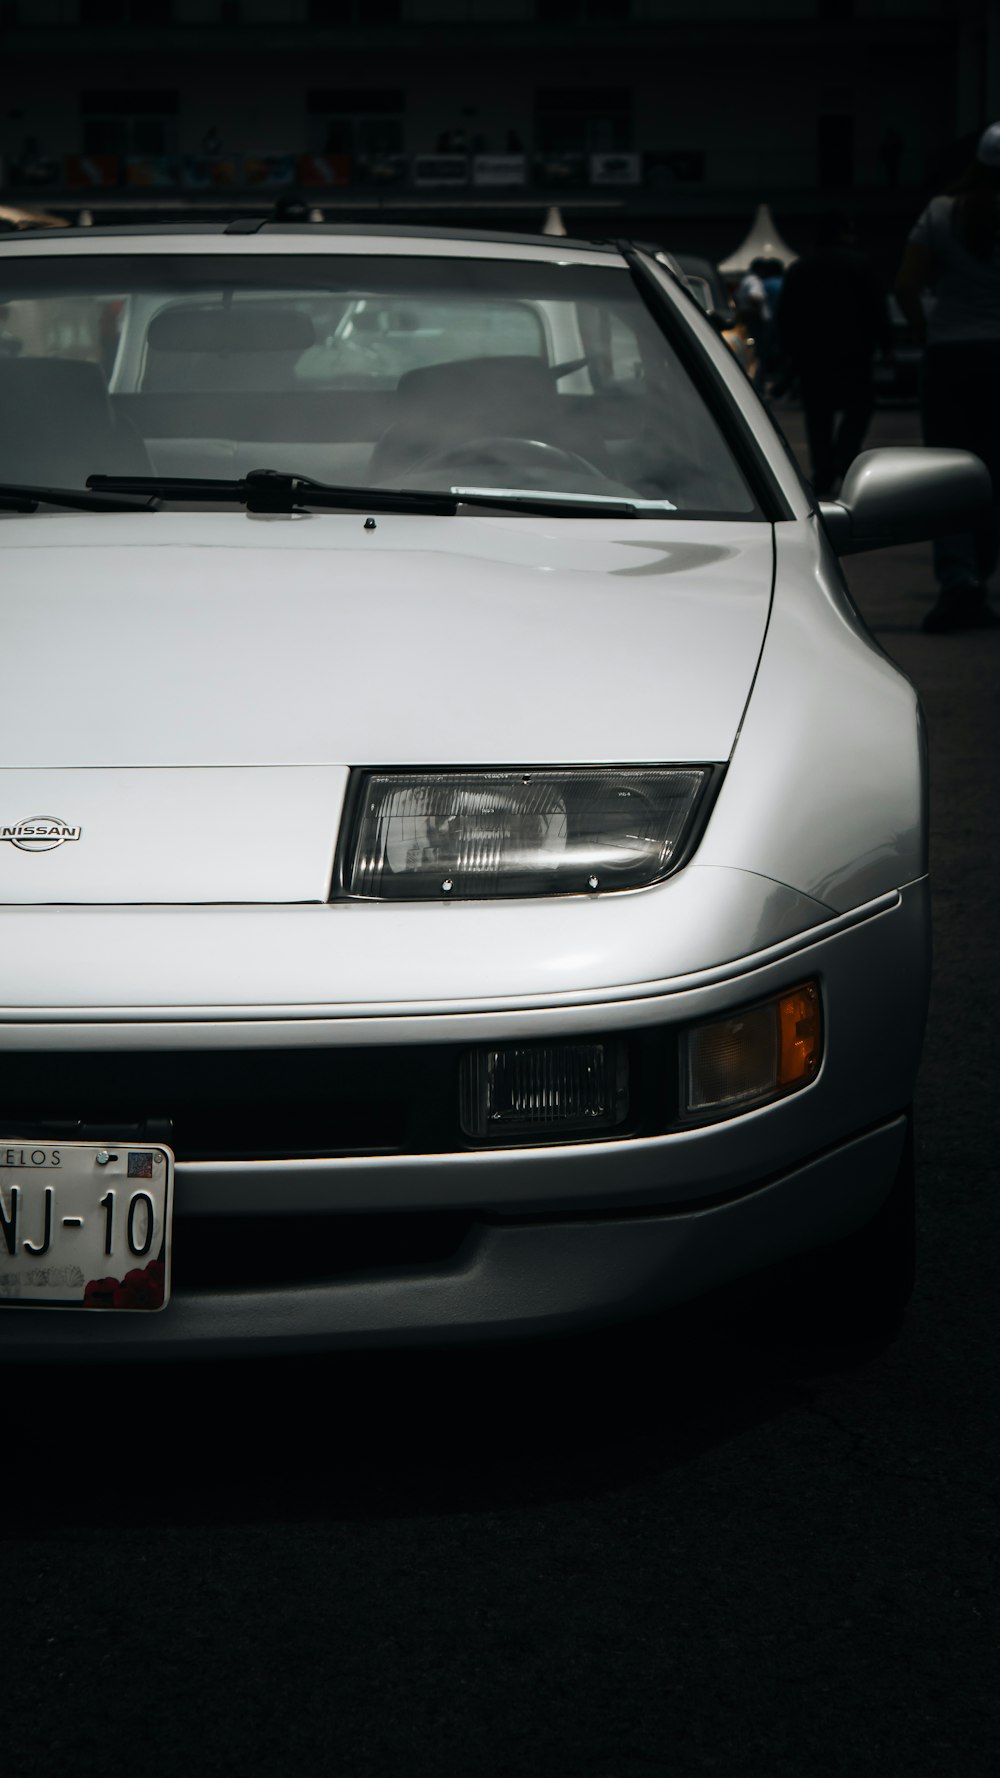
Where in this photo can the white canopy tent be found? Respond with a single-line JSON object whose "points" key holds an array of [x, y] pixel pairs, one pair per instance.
{"points": [[762, 242]]}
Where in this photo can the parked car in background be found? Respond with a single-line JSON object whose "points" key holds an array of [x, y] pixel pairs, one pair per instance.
{"points": [[709, 289], [462, 858]]}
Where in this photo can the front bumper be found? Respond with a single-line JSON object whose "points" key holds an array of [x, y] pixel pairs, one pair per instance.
{"points": [[548, 1237], [508, 1279]]}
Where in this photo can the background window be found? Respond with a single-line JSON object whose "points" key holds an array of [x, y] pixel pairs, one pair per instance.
{"points": [[129, 122], [566, 11], [583, 120], [126, 12], [350, 12], [362, 123]]}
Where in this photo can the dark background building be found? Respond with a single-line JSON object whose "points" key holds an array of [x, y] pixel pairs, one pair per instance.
{"points": [[665, 118]]}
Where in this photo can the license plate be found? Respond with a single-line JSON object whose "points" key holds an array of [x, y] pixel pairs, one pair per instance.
{"points": [[85, 1225]]}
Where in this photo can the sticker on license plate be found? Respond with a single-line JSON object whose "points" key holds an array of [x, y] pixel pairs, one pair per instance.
{"points": [[85, 1226]]}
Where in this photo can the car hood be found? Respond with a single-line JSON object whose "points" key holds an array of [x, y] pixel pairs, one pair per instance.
{"points": [[215, 674]]}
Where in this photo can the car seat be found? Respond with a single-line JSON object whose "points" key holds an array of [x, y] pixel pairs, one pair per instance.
{"points": [[57, 425], [442, 406]]}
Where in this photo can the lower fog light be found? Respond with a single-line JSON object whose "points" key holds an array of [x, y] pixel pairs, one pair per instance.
{"points": [[539, 1090], [759, 1054]]}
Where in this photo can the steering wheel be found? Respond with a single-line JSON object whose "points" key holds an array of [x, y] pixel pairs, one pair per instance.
{"points": [[501, 448]]}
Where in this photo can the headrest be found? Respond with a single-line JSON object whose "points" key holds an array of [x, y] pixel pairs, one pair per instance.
{"points": [[73, 382], [476, 379], [192, 328], [57, 425]]}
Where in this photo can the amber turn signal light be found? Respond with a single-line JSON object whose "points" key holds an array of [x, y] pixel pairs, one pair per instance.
{"points": [[800, 1035], [758, 1054]]}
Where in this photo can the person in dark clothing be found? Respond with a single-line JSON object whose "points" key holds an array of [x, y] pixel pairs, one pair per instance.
{"points": [[832, 317], [954, 250], [772, 276]]}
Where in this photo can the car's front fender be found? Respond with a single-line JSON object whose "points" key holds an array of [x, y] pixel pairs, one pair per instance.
{"points": [[827, 786]]}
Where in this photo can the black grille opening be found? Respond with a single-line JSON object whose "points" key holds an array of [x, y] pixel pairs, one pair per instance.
{"points": [[276, 1252], [288, 1104], [237, 1104]]}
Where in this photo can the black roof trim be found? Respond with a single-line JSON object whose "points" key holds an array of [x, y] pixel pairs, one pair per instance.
{"points": [[111, 231], [246, 225], [430, 232]]}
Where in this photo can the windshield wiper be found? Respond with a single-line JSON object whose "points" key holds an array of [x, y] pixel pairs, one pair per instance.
{"points": [[268, 490], [613, 506], [14, 497]]}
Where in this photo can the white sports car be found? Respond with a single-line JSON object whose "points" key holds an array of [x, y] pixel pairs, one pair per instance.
{"points": [[462, 857]]}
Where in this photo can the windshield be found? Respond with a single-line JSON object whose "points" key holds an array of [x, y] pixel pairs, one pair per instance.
{"points": [[370, 372]]}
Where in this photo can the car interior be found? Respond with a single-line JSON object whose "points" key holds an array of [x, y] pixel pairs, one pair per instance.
{"points": [[347, 392]]}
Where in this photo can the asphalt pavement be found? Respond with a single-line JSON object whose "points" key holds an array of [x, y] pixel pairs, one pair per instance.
{"points": [[610, 1559]]}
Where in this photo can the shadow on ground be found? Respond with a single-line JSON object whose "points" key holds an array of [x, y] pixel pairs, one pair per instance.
{"points": [[398, 1434]]}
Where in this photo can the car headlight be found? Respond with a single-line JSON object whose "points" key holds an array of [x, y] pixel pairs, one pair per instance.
{"points": [[434, 835]]}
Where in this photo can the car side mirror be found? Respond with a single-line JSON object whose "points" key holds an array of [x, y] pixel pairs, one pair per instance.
{"points": [[906, 494]]}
